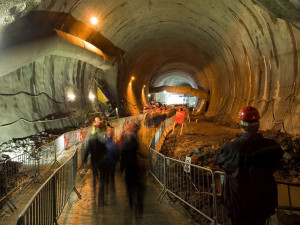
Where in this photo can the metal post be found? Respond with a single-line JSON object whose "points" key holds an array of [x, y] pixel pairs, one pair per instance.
{"points": [[290, 202], [74, 166], [215, 213], [6, 198]]}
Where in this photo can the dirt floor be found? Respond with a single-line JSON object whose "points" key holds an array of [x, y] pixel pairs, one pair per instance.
{"points": [[203, 140]]}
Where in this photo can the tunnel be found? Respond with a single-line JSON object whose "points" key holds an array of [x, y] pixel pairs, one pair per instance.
{"points": [[55, 54], [64, 62]]}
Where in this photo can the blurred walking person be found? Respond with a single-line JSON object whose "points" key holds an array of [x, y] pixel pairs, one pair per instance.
{"points": [[99, 162], [112, 155], [129, 164]]}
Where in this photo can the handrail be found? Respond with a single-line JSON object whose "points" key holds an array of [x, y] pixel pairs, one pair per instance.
{"points": [[38, 162], [31, 214], [159, 168]]}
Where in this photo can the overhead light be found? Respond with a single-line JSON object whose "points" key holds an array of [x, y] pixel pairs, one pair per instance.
{"points": [[144, 86], [132, 78], [94, 20], [71, 96], [91, 96], [149, 95]]}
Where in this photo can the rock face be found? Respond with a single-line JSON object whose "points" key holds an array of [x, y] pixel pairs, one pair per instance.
{"points": [[285, 9], [33, 92], [240, 52], [202, 143], [13, 9]]}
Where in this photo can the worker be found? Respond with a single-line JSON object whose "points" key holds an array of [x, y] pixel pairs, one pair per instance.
{"points": [[249, 192]]}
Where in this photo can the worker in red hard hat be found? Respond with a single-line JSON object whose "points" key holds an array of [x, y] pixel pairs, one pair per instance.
{"points": [[249, 192], [100, 125], [249, 119]]}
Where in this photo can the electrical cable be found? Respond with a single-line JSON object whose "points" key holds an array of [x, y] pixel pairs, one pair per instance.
{"points": [[32, 95]]}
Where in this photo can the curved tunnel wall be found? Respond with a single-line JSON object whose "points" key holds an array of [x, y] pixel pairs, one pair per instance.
{"points": [[254, 62], [239, 52], [34, 97]]}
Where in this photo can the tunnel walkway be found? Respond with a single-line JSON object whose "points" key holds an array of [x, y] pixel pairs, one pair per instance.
{"points": [[116, 208]]}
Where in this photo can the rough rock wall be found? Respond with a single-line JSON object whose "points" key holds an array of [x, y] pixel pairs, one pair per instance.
{"points": [[34, 97], [261, 69]]}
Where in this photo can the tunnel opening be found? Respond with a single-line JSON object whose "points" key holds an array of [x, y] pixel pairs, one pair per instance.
{"points": [[178, 88]]}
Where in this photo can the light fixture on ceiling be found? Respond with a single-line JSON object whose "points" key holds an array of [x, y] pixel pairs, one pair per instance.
{"points": [[94, 20]]}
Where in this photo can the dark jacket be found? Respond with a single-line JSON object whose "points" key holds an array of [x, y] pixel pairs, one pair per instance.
{"points": [[96, 148], [129, 163], [111, 151], [250, 191]]}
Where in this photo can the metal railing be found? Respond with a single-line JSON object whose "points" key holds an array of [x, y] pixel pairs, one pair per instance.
{"points": [[197, 187], [48, 202], [17, 172], [191, 184]]}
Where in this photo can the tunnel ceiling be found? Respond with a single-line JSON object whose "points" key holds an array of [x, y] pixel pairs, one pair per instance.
{"points": [[237, 50], [187, 34]]}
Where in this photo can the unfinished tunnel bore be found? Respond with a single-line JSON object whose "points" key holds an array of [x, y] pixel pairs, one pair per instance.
{"points": [[241, 52]]}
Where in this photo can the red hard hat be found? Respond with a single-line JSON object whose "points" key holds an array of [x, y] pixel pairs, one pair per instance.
{"points": [[249, 113], [109, 132], [129, 127], [99, 125]]}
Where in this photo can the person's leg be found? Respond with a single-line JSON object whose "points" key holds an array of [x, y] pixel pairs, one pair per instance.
{"points": [[112, 176], [140, 197], [259, 222], [240, 222], [95, 172], [129, 192], [101, 188]]}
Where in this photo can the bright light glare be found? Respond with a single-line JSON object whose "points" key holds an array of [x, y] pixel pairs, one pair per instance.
{"points": [[175, 99], [132, 78], [94, 20], [71, 96], [144, 86], [165, 92], [149, 95], [91, 96]]}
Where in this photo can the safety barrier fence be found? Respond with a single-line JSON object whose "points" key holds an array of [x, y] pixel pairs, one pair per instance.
{"points": [[193, 185], [291, 194], [201, 188], [48, 202], [162, 131], [197, 187], [17, 172]]}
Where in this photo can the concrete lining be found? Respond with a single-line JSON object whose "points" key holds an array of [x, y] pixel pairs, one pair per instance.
{"points": [[60, 44]]}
